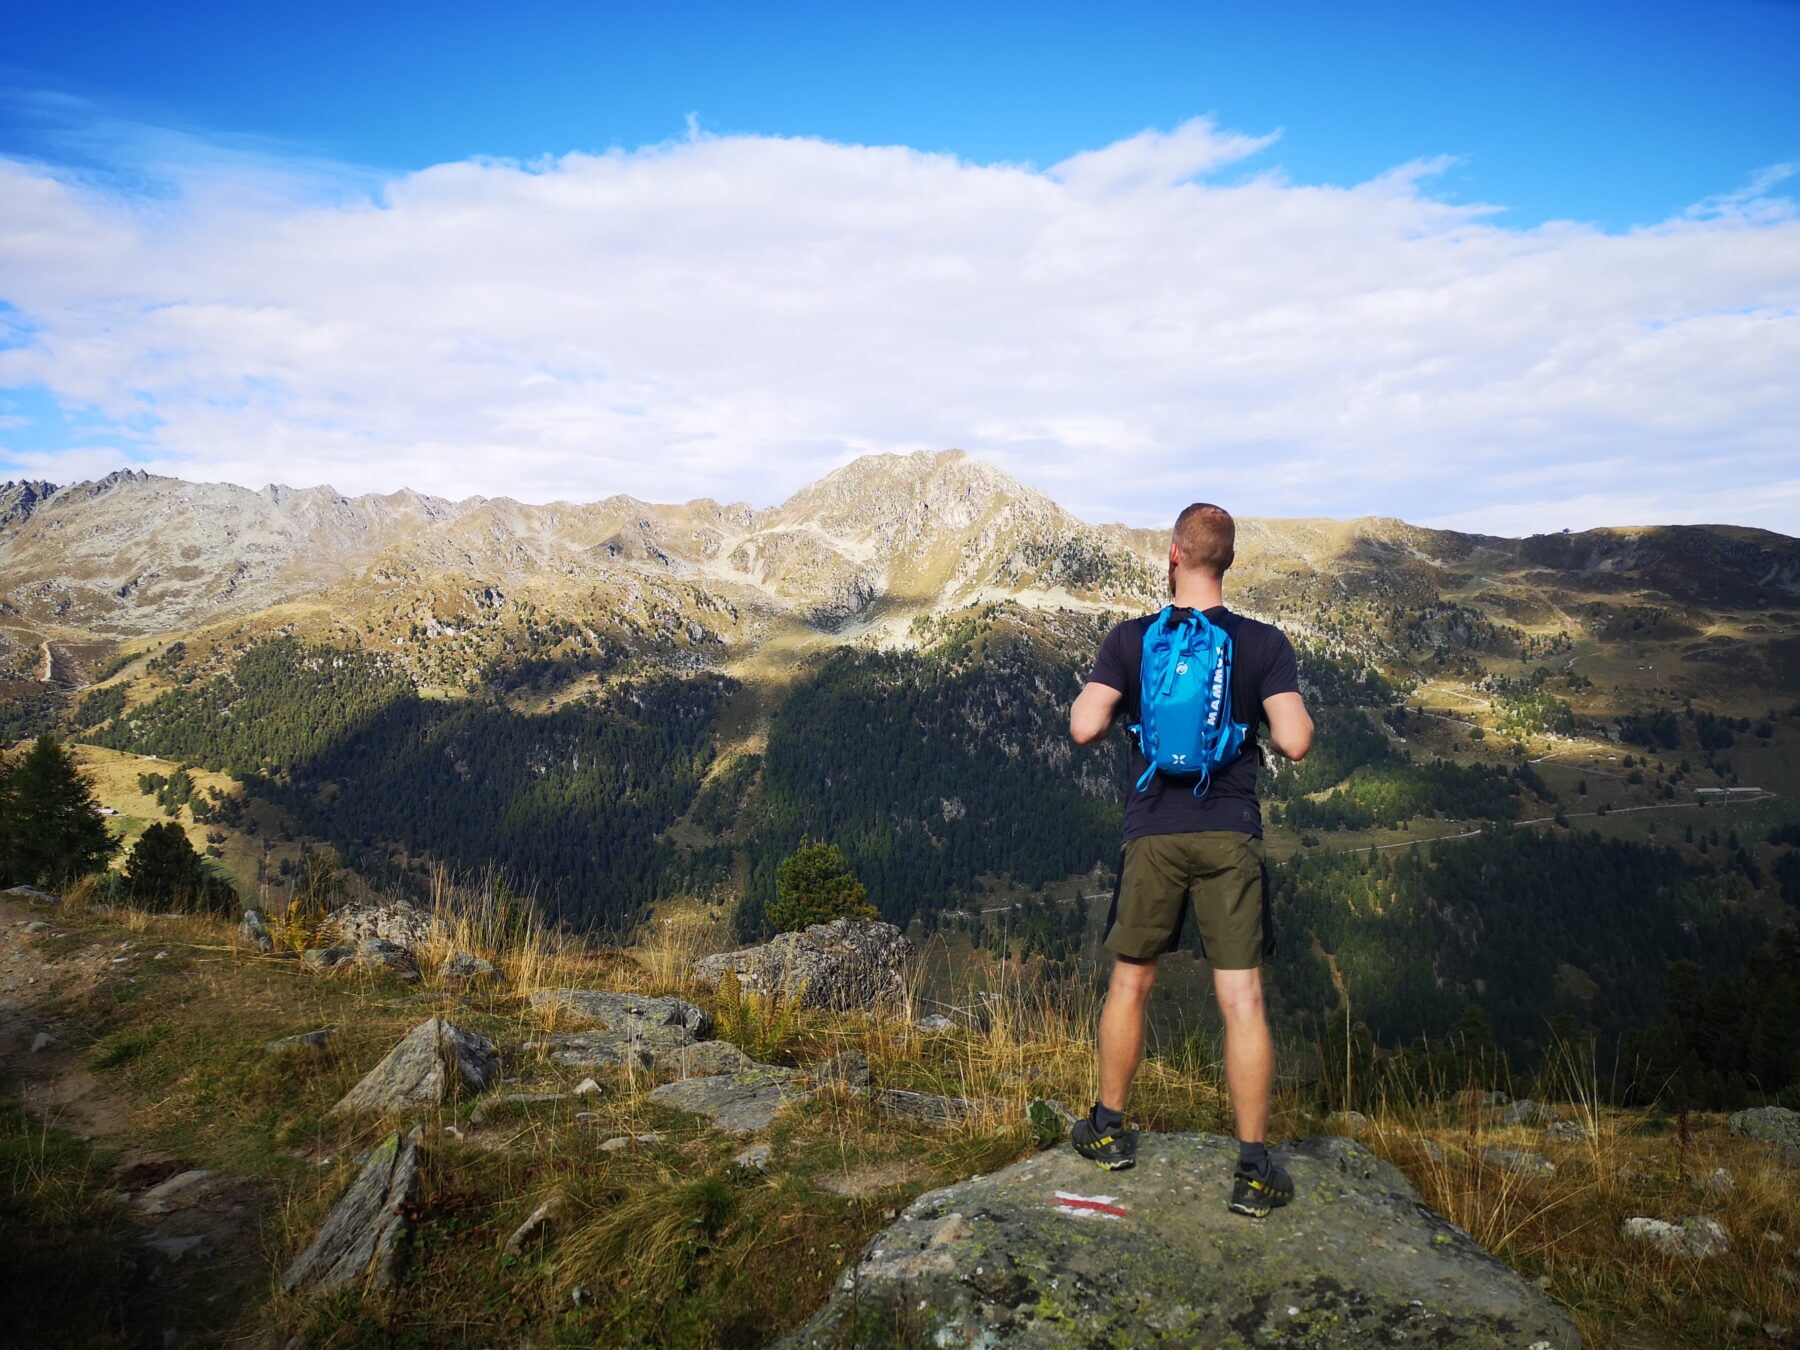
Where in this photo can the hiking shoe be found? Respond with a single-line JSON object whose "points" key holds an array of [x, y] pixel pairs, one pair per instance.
{"points": [[1111, 1152], [1257, 1195]]}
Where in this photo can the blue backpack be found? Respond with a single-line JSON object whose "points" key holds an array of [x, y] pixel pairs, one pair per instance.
{"points": [[1184, 726]]}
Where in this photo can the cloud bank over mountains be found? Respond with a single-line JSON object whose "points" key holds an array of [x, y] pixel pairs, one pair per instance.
{"points": [[1159, 319]]}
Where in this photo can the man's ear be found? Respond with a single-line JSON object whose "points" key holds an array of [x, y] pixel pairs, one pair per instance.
{"points": [[1174, 555]]}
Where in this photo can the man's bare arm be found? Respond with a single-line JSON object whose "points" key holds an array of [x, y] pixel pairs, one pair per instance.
{"points": [[1092, 716], [1290, 726]]}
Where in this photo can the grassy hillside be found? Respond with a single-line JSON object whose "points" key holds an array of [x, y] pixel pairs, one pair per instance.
{"points": [[160, 1065]]}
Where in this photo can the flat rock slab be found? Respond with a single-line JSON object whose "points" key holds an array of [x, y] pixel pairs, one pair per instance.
{"points": [[619, 1012], [430, 1062], [737, 1103], [1053, 1252], [366, 1234], [928, 1107]]}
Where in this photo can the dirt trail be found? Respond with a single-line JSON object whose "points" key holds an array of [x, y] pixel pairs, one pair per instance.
{"points": [[195, 1237]]}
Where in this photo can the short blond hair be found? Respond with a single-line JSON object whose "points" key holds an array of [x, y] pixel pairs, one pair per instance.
{"points": [[1207, 537]]}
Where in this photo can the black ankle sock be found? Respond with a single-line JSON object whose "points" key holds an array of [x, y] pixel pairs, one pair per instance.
{"points": [[1253, 1158], [1107, 1121]]}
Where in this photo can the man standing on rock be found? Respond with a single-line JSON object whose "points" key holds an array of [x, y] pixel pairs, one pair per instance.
{"points": [[1203, 848]]}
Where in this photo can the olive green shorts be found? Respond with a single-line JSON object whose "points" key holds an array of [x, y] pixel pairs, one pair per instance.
{"points": [[1220, 872]]}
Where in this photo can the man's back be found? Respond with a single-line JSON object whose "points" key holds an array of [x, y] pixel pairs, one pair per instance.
{"points": [[1263, 665]]}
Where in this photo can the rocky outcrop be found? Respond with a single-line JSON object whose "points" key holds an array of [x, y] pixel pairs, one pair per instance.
{"points": [[385, 920], [366, 1235], [1050, 1252], [1775, 1125], [431, 1062], [841, 965]]}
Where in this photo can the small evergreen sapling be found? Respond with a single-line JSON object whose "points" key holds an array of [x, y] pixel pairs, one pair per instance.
{"points": [[814, 885]]}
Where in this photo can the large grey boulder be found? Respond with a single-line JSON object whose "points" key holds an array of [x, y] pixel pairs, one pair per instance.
{"points": [[424, 1069], [393, 921], [34, 894], [1775, 1125], [1050, 1252], [737, 1103], [366, 1234], [841, 965]]}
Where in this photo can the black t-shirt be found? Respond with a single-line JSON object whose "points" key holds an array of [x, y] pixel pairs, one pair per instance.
{"points": [[1262, 665]]}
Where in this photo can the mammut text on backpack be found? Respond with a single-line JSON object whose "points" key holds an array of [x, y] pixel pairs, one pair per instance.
{"points": [[1184, 727]]}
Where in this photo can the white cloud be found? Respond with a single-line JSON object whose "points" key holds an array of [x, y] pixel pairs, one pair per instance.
{"points": [[732, 316]]}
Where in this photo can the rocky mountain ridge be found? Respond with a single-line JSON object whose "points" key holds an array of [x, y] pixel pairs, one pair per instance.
{"points": [[864, 550]]}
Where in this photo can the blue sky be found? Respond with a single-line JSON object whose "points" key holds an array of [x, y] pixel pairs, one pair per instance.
{"points": [[191, 139], [1609, 112]]}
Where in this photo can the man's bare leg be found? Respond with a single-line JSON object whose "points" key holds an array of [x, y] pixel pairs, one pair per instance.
{"points": [[1122, 1028], [1249, 1050]]}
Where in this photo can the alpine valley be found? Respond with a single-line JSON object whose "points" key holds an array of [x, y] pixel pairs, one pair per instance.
{"points": [[1547, 768]]}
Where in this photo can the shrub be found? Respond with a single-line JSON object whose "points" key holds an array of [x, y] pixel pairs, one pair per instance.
{"points": [[163, 868], [814, 885]]}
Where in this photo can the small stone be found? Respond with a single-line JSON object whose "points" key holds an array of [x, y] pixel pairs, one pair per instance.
{"points": [[172, 1249], [1691, 1237], [1430, 1148], [1346, 1122], [622, 1141], [380, 954], [327, 958], [935, 1022], [587, 1087], [305, 1040], [1719, 1184], [160, 956], [43, 1041], [161, 1198], [1737, 1319], [579, 1295], [541, 1224], [1527, 1112], [851, 1069], [464, 970], [253, 931], [1566, 1131], [1518, 1161], [37, 926], [753, 1159]]}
